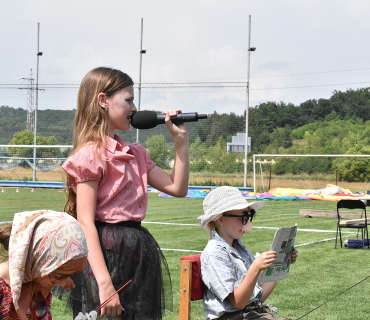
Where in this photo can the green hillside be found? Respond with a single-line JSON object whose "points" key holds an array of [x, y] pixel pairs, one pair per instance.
{"points": [[338, 125]]}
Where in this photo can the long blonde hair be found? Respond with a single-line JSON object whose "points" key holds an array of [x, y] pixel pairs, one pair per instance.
{"points": [[91, 121]]}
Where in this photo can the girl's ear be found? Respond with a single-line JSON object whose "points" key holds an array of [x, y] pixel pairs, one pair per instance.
{"points": [[220, 221], [102, 100]]}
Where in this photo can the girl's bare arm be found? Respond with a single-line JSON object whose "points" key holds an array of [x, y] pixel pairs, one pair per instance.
{"points": [[176, 183], [86, 206], [267, 289], [242, 294]]}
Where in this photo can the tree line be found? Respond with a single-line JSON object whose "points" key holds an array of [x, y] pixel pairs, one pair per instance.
{"points": [[337, 125], [264, 119]]}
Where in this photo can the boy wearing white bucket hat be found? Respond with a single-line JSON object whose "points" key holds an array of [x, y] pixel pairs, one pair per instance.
{"points": [[229, 270]]}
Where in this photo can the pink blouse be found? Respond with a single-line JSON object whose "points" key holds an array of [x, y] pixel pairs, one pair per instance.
{"points": [[122, 175]]}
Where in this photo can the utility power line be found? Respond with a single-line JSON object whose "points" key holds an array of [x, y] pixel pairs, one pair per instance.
{"points": [[258, 66], [313, 86], [187, 84]]}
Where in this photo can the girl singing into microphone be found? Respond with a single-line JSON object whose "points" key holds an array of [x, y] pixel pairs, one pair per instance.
{"points": [[107, 181]]}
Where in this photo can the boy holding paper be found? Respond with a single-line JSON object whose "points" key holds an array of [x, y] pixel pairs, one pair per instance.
{"points": [[229, 270]]}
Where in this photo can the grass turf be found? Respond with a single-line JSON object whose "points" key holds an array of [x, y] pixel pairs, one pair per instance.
{"points": [[321, 272]]}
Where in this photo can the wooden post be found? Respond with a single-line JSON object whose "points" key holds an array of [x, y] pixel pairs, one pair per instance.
{"points": [[185, 290]]}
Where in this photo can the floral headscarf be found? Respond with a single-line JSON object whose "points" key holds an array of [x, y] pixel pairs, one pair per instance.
{"points": [[40, 242]]}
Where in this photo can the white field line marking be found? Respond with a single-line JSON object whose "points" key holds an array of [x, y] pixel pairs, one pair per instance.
{"points": [[313, 242], [163, 249], [270, 228], [4, 222], [197, 225], [184, 250], [307, 230], [173, 224], [298, 245]]}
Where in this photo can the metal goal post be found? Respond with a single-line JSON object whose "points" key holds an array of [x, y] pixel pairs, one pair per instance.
{"points": [[300, 155]]}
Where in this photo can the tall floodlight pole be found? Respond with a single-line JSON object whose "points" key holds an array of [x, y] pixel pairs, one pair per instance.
{"points": [[247, 108], [141, 54], [36, 102]]}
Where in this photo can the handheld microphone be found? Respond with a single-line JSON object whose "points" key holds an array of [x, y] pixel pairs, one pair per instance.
{"points": [[149, 119]]}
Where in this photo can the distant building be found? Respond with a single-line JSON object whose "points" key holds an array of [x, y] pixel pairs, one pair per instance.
{"points": [[237, 143]]}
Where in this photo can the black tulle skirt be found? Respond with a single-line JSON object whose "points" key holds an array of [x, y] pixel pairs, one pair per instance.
{"points": [[130, 252]]}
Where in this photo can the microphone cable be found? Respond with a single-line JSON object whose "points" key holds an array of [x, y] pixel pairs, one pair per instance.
{"points": [[333, 297]]}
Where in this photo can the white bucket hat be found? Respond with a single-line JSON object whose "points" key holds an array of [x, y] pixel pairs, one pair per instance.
{"points": [[224, 199]]}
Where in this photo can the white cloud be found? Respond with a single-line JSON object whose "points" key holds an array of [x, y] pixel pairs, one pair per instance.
{"points": [[227, 55], [82, 59]]}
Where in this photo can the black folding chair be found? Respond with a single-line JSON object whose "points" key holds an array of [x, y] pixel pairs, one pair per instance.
{"points": [[354, 223]]}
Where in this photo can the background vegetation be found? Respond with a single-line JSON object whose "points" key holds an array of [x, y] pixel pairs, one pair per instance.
{"points": [[338, 125]]}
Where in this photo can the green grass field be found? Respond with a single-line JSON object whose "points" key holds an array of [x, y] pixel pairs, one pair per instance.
{"points": [[320, 273]]}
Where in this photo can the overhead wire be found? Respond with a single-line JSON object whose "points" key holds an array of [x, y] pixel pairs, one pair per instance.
{"points": [[207, 84], [313, 86], [271, 76], [309, 73], [25, 86], [288, 75], [261, 65], [298, 74]]}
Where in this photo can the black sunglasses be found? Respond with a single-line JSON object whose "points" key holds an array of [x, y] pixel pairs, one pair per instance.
{"points": [[245, 217]]}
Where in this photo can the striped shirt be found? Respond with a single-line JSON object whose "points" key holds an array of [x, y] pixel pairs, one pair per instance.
{"points": [[223, 268]]}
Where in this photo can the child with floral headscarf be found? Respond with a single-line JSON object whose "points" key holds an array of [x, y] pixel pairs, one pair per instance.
{"points": [[44, 248]]}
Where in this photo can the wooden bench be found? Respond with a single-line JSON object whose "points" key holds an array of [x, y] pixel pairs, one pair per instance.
{"points": [[354, 221], [328, 213]]}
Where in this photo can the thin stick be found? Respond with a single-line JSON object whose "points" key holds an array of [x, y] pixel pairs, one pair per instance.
{"points": [[111, 297]]}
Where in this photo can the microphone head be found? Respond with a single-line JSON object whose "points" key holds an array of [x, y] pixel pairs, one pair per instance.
{"points": [[144, 119]]}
